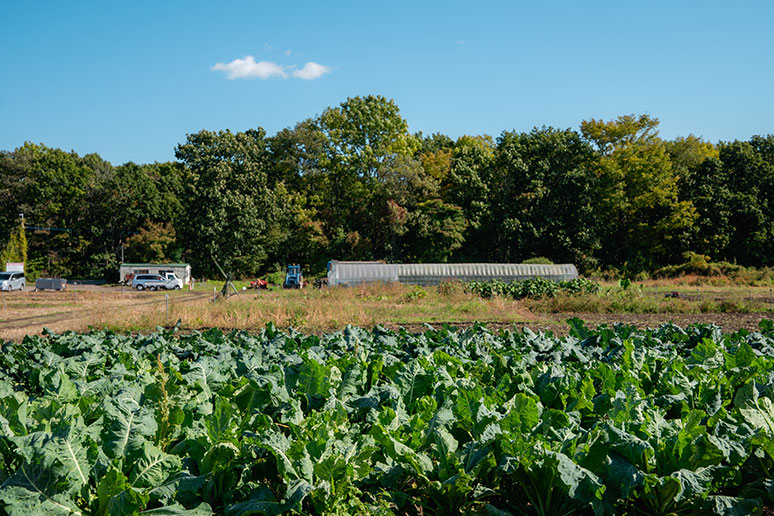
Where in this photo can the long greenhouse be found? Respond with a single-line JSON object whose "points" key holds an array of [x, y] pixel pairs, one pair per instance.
{"points": [[426, 274]]}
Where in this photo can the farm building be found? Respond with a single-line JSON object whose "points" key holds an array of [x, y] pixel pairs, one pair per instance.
{"points": [[128, 270], [353, 273]]}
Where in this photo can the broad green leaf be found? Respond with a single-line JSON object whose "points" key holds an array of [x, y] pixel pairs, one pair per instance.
{"points": [[202, 509], [730, 506], [181, 487], [35, 491], [413, 382], [116, 497], [67, 446], [126, 425], [153, 467]]}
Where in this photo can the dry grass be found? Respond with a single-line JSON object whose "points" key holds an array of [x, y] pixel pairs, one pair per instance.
{"points": [[318, 311], [307, 310], [23, 313], [332, 309]]}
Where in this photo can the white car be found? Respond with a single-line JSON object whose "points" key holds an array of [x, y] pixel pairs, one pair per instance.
{"points": [[155, 282], [12, 281]]}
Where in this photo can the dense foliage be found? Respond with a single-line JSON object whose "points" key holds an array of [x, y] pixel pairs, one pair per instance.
{"points": [[353, 183], [612, 421], [16, 248], [533, 288]]}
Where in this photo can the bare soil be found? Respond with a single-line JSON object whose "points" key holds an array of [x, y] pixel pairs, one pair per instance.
{"points": [[556, 323]]}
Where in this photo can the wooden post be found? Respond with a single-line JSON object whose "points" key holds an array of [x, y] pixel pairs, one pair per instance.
{"points": [[166, 298]]}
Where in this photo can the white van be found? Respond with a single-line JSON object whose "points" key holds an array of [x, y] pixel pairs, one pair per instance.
{"points": [[12, 281], [168, 281]]}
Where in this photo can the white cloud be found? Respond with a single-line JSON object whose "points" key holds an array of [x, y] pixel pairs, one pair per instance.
{"points": [[247, 68], [311, 71]]}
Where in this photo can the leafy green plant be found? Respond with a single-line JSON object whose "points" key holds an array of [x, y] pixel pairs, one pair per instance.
{"points": [[534, 288], [416, 293], [604, 421]]}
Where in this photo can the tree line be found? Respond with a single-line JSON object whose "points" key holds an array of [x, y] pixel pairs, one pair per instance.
{"points": [[353, 183]]}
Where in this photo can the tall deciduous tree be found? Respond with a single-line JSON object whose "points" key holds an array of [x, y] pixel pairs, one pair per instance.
{"points": [[687, 153], [471, 185], [647, 222], [121, 203], [546, 205], [734, 195], [228, 203], [155, 243], [435, 231], [363, 132], [366, 145], [51, 188], [16, 248]]}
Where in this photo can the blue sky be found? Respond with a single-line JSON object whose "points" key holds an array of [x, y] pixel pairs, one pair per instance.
{"points": [[129, 80]]}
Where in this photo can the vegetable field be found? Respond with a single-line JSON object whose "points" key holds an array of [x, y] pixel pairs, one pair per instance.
{"points": [[607, 421]]}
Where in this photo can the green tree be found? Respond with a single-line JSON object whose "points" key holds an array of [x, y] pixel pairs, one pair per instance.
{"points": [[687, 153], [16, 248], [121, 204], [363, 132], [434, 231], [470, 184], [547, 201], [366, 157], [297, 156], [733, 195], [155, 243], [648, 223], [296, 172], [436, 155], [170, 179], [51, 187], [400, 186], [229, 207]]}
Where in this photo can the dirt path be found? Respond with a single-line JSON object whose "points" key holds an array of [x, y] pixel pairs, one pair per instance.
{"points": [[556, 323], [729, 322], [27, 313]]}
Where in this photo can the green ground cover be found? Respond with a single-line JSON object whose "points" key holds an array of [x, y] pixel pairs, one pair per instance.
{"points": [[607, 421]]}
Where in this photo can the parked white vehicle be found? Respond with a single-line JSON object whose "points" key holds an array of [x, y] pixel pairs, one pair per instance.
{"points": [[12, 281], [173, 282], [156, 282]]}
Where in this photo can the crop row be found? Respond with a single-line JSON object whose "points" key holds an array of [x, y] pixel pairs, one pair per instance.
{"points": [[533, 288], [607, 421]]}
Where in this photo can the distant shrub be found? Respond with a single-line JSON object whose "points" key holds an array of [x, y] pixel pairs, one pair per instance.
{"points": [[275, 278], [539, 260], [533, 288], [416, 293], [700, 265]]}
